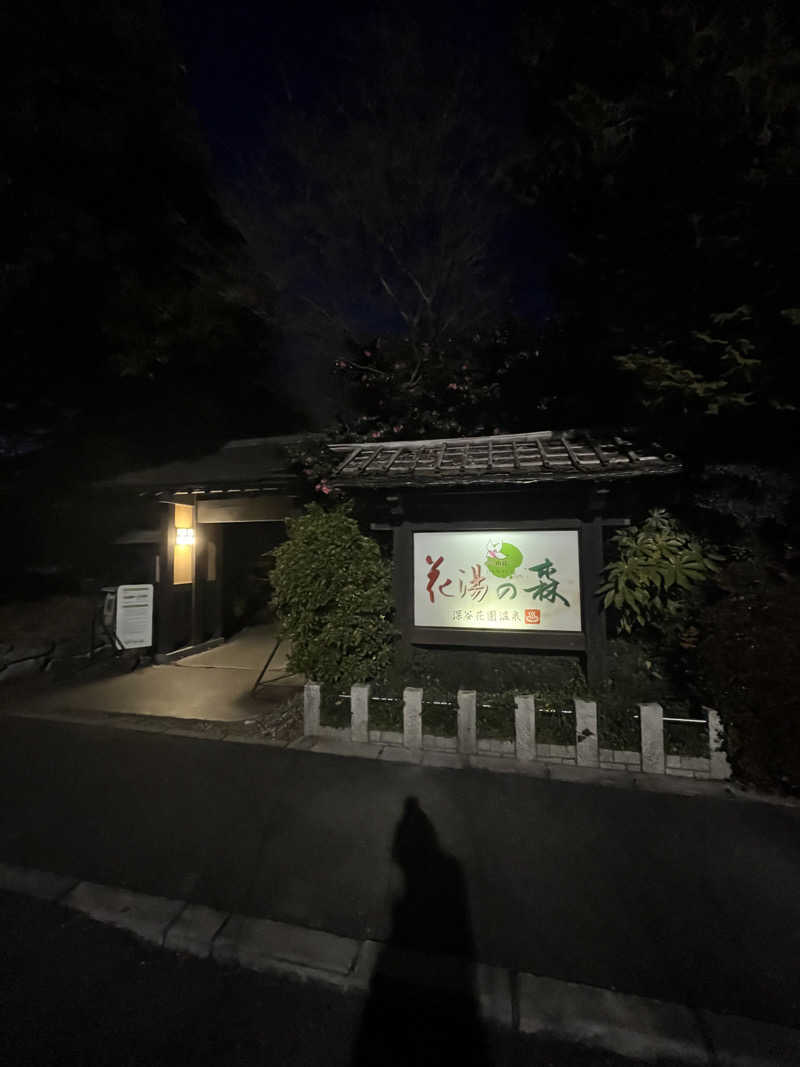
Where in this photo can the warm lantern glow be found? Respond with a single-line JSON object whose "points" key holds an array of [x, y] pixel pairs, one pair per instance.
{"points": [[184, 535]]}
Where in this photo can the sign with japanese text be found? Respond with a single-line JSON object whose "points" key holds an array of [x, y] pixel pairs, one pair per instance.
{"points": [[134, 622], [525, 580]]}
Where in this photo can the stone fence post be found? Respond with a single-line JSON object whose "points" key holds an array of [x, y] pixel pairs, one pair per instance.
{"points": [[586, 748], [525, 726], [311, 701], [467, 727], [651, 724], [719, 767], [359, 713], [412, 718]]}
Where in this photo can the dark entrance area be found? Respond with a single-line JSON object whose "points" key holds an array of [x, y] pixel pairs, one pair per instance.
{"points": [[245, 591], [208, 521]]}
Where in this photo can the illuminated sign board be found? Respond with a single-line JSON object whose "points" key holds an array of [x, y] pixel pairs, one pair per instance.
{"points": [[515, 580], [134, 621]]}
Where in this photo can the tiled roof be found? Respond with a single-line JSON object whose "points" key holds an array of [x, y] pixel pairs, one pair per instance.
{"points": [[249, 465], [516, 459]]}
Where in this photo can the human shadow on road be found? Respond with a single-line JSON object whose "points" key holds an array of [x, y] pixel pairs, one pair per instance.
{"points": [[422, 1007]]}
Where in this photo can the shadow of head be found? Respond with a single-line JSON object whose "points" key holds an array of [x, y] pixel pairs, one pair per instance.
{"points": [[432, 915], [415, 839]]}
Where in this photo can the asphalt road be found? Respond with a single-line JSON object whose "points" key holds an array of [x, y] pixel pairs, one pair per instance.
{"points": [[687, 899], [74, 992]]}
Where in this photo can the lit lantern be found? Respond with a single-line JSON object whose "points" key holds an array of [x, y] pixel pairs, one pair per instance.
{"points": [[184, 535]]}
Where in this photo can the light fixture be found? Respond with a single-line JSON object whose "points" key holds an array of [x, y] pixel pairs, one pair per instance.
{"points": [[184, 535]]}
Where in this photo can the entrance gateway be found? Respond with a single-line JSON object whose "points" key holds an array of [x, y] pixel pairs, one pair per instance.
{"points": [[202, 525], [498, 541]]}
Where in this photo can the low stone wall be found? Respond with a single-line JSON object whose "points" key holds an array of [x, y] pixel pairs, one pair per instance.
{"points": [[62, 657], [585, 752]]}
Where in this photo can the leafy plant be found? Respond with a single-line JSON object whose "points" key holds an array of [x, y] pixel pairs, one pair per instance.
{"points": [[332, 593], [748, 664], [714, 373], [660, 565]]}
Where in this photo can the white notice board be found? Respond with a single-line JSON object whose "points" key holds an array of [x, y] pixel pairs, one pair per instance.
{"points": [[526, 580], [134, 621]]}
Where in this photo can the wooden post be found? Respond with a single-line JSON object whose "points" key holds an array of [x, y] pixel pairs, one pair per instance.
{"points": [[163, 590], [594, 617], [198, 558]]}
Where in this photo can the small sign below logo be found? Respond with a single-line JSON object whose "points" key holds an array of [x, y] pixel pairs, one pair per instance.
{"points": [[533, 615]]}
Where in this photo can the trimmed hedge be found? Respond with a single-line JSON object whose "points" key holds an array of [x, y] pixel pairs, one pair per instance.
{"points": [[333, 598]]}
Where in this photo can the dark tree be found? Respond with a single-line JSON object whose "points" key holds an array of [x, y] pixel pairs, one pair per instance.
{"points": [[664, 140], [373, 208], [122, 280]]}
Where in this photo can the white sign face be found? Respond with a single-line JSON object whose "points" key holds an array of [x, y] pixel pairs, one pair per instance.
{"points": [[494, 580], [134, 623]]}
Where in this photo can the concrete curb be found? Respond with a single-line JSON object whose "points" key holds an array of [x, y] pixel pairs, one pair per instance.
{"points": [[335, 746], [628, 1025], [33, 883], [632, 1026], [146, 916]]}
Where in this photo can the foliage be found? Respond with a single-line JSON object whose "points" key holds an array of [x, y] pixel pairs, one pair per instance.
{"points": [[668, 155], [466, 386], [463, 385], [748, 666], [659, 565], [639, 671], [753, 499], [313, 461], [554, 678], [706, 373], [333, 597], [119, 268]]}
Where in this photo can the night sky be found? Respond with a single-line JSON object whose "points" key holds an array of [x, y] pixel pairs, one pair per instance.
{"points": [[242, 57]]}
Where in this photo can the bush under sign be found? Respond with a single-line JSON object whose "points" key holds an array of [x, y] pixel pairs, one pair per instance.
{"points": [[527, 580]]}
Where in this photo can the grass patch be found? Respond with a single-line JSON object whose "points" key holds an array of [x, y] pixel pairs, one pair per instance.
{"points": [[618, 727], [439, 719], [685, 738], [334, 710], [495, 718], [555, 725], [638, 674], [385, 713]]}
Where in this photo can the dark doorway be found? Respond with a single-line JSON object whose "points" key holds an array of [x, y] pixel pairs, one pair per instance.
{"points": [[244, 593]]}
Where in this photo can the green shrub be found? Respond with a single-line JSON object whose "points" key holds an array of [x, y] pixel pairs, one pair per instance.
{"points": [[660, 566], [749, 666], [553, 677], [332, 593]]}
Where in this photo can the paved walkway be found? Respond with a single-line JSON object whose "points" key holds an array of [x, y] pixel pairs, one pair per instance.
{"points": [[214, 685], [689, 900]]}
